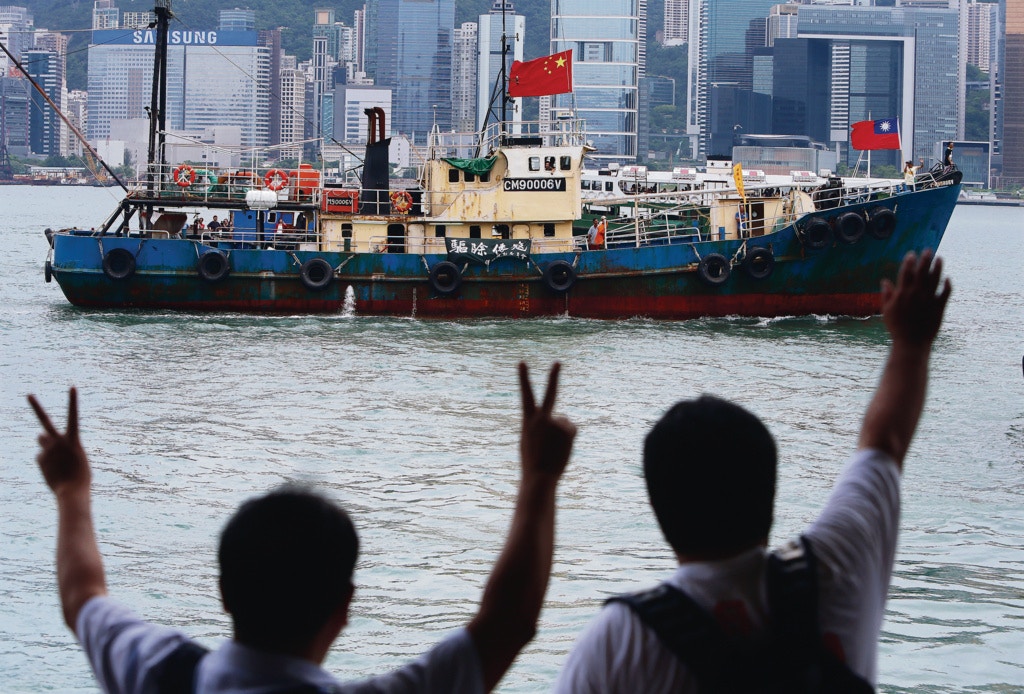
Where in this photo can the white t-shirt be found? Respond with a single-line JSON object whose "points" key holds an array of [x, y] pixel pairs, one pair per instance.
{"points": [[124, 652], [854, 540]]}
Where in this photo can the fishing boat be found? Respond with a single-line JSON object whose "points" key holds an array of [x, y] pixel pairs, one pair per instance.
{"points": [[498, 228]]}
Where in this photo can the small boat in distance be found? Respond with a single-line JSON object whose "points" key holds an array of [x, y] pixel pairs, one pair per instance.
{"points": [[496, 225]]}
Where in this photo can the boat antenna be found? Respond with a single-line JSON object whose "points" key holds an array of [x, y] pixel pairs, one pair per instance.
{"points": [[158, 103], [64, 118]]}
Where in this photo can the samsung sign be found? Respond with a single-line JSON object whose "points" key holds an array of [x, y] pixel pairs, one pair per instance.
{"points": [[176, 37], [554, 185]]}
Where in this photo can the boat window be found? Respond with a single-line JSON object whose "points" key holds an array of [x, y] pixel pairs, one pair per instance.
{"points": [[565, 163], [346, 231], [585, 185], [500, 230], [453, 175], [549, 163], [485, 177], [609, 186], [474, 231], [534, 163], [470, 177], [439, 231], [396, 238], [549, 229]]}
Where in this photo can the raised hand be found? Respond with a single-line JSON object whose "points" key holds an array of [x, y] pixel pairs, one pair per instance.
{"points": [[546, 441], [912, 309], [62, 459]]}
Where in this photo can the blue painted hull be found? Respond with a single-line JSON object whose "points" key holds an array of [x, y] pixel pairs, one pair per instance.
{"points": [[658, 281]]}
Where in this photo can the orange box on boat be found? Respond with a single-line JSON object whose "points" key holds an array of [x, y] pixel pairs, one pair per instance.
{"points": [[306, 179]]}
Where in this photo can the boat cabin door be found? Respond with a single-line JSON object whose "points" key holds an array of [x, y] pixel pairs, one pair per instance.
{"points": [[755, 209]]}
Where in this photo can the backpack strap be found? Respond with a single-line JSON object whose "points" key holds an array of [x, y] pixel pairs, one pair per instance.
{"points": [[177, 673], [792, 660], [692, 634]]}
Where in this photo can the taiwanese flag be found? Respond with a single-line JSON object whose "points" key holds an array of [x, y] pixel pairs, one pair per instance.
{"points": [[551, 74], [876, 134]]}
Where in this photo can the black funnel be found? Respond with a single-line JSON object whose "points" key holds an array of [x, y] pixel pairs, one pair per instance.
{"points": [[376, 179]]}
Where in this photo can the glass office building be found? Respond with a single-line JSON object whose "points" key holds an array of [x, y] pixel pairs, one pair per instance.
{"points": [[214, 78], [607, 41], [900, 62], [409, 50], [725, 31]]}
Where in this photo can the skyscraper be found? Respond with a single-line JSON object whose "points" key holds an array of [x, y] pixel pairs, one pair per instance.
{"points": [[464, 77], [408, 49], [677, 23], [718, 56], [15, 33], [1013, 94], [46, 68], [607, 40], [491, 27]]}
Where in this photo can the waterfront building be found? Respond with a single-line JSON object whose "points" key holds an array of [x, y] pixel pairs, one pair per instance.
{"points": [[15, 103], [341, 39], [491, 26], [974, 159], [350, 104], [1013, 95], [465, 47], [46, 68], [408, 49], [16, 29], [607, 41], [214, 78], [271, 38]]}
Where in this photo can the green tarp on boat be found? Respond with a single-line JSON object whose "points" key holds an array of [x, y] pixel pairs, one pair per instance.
{"points": [[473, 166]]}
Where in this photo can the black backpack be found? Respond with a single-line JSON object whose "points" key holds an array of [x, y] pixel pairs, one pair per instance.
{"points": [[792, 659]]}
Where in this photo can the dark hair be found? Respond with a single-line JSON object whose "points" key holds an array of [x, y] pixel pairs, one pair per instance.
{"points": [[710, 471], [286, 562]]}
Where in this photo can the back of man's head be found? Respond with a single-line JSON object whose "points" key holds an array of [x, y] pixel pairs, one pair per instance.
{"points": [[286, 562], [710, 471]]}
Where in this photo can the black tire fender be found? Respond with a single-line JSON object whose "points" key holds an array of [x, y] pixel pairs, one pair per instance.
{"points": [[714, 269], [883, 222], [445, 278], [48, 271], [759, 263], [559, 276], [119, 264], [850, 227], [816, 234], [317, 274], [213, 266]]}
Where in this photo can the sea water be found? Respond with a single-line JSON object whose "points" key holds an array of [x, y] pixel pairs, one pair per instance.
{"points": [[413, 424]]}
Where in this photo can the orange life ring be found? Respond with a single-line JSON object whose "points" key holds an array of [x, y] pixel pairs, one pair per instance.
{"points": [[184, 176], [276, 179], [401, 201]]}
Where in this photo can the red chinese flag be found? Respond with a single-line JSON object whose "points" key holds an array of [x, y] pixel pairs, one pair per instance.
{"points": [[876, 134], [551, 74]]}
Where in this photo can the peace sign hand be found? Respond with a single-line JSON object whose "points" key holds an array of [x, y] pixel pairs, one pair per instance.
{"points": [[62, 459], [546, 441]]}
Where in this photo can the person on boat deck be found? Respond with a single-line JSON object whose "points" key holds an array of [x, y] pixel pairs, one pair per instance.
{"points": [[710, 469], [741, 220], [910, 173], [214, 225], [286, 562], [280, 227], [602, 229], [592, 235]]}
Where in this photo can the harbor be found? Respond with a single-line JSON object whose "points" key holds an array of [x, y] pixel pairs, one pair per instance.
{"points": [[410, 423]]}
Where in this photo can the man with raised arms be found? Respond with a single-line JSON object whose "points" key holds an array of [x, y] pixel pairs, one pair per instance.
{"points": [[286, 562], [710, 469]]}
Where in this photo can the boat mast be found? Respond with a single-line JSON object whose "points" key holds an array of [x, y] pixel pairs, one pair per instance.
{"points": [[158, 102]]}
